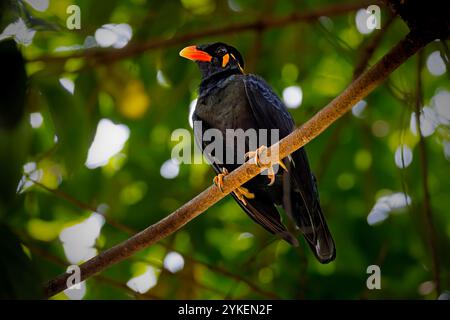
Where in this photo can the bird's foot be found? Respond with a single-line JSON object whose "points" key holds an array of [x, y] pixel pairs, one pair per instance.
{"points": [[270, 172], [256, 155], [241, 193], [271, 176], [218, 180]]}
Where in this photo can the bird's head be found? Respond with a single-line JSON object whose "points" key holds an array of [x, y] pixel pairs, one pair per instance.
{"points": [[213, 58]]}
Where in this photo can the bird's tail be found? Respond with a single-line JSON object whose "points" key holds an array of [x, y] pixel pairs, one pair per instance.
{"points": [[307, 214], [311, 222], [322, 243]]}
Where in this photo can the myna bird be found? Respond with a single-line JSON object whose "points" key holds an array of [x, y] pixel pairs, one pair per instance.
{"points": [[230, 99]]}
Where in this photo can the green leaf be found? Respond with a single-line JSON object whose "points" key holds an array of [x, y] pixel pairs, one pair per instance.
{"points": [[70, 118]]}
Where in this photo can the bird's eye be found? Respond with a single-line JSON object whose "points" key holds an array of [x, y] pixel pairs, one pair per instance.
{"points": [[221, 51]]}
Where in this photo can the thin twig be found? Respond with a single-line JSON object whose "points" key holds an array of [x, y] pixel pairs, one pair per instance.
{"points": [[332, 145], [123, 286], [357, 90], [79, 204], [63, 195], [445, 55], [160, 265], [238, 278], [370, 48], [109, 55], [430, 229]]}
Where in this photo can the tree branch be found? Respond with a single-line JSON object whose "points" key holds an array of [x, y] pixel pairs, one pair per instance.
{"points": [[369, 50], [357, 90], [429, 226], [233, 276], [363, 62], [59, 262], [110, 55], [126, 229]]}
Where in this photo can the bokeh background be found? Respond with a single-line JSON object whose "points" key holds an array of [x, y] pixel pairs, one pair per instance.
{"points": [[86, 156]]}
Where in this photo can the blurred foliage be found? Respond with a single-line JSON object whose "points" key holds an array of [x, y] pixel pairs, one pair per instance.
{"points": [[150, 94]]}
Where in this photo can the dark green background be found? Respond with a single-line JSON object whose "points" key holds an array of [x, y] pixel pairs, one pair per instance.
{"points": [[354, 166]]}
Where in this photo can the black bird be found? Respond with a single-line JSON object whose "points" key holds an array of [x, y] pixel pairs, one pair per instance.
{"points": [[230, 99]]}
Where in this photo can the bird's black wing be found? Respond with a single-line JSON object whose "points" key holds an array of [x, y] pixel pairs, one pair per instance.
{"points": [[303, 199], [260, 209]]}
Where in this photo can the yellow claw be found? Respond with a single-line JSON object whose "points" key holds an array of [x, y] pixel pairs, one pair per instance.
{"points": [[256, 155], [271, 176], [282, 165], [218, 180], [241, 192]]}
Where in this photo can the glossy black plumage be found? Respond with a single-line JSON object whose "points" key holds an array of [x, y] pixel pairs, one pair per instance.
{"points": [[229, 99]]}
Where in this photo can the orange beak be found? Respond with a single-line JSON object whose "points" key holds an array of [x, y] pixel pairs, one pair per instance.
{"points": [[192, 53]]}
